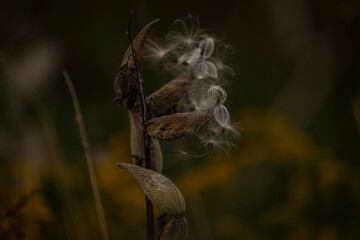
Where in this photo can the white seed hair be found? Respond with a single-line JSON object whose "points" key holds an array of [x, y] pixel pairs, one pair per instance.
{"points": [[189, 51], [217, 92], [222, 116], [156, 50], [205, 69], [207, 46]]}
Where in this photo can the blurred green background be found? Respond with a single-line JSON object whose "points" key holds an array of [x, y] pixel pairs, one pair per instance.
{"points": [[294, 174]]}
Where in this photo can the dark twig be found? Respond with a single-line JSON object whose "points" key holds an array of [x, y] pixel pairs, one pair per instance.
{"points": [[147, 140]]}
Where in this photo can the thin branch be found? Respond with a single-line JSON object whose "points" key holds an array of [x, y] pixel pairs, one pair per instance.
{"points": [[141, 88], [89, 160], [147, 139]]}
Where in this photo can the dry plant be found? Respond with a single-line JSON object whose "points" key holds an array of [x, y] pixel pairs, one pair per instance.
{"points": [[88, 155], [192, 103]]}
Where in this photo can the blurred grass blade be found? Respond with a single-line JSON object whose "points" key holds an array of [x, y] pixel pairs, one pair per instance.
{"points": [[89, 160]]}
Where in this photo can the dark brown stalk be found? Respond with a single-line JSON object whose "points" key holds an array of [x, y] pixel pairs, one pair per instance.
{"points": [[147, 139]]}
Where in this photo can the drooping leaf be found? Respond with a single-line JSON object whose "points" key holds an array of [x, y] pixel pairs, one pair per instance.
{"points": [[176, 229], [161, 191]]}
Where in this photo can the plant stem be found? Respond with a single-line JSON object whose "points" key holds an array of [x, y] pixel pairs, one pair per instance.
{"points": [[147, 139], [89, 160]]}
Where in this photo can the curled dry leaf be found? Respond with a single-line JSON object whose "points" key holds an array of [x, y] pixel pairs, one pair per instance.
{"points": [[176, 229], [137, 145], [161, 191], [175, 125], [125, 83], [166, 98]]}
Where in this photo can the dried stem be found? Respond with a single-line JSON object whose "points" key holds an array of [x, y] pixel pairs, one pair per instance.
{"points": [[57, 166], [89, 160], [147, 139]]}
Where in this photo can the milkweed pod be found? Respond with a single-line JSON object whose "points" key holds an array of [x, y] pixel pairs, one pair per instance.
{"points": [[137, 145], [166, 98], [156, 156], [125, 86], [175, 125], [176, 229], [139, 43], [125, 83], [161, 191], [136, 138]]}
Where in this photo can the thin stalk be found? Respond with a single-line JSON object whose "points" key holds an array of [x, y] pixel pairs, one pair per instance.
{"points": [[57, 166], [147, 139], [89, 160]]}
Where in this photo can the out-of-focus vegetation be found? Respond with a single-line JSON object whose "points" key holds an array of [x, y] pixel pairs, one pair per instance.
{"points": [[293, 175]]}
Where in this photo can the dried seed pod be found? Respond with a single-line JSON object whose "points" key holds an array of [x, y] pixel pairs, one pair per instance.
{"points": [[166, 98], [137, 145], [136, 138], [125, 86], [175, 125], [161, 191], [156, 156], [125, 83], [139, 43], [176, 229]]}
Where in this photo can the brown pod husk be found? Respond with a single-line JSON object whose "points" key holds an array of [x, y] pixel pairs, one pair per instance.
{"points": [[125, 87], [161, 191], [156, 156], [176, 229], [137, 145], [136, 138], [175, 125], [139, 43], [125, 83], [166, 98]]}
